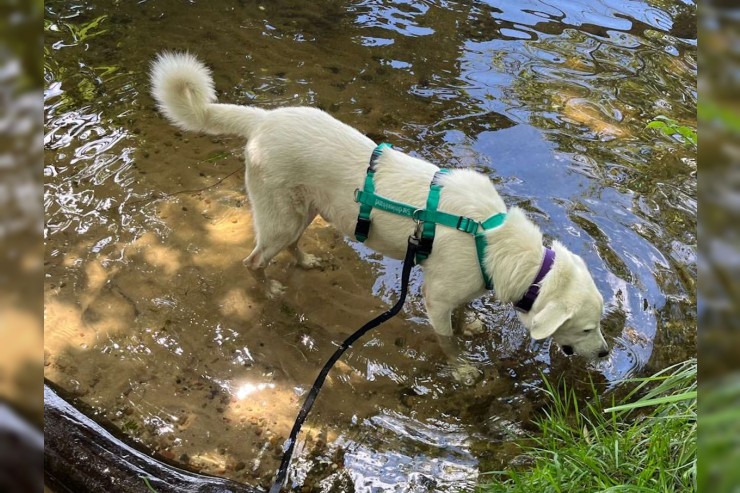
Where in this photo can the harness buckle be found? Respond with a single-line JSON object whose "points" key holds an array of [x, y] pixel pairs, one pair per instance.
{"points": [[357, 194], [362, 230], [467, 225], [425, 246]]}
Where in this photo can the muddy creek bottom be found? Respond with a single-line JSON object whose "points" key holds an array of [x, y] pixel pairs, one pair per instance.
{"points": [[176, 343]]}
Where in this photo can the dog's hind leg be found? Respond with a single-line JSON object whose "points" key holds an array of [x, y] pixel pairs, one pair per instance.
{"points": [[279, 220], [257, 262], [305, 260]]}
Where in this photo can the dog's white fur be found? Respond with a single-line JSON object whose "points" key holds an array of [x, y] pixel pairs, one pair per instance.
{"points": [[301, 162]]}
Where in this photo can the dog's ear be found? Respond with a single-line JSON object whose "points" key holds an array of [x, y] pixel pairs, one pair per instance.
{"points": [[549, 319]]}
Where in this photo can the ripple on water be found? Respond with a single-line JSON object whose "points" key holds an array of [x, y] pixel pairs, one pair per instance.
{"points": [[102, 156], [398, 18], [430, 456]]}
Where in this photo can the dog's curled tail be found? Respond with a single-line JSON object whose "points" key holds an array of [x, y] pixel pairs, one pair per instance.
{"points": [[183, 89]]}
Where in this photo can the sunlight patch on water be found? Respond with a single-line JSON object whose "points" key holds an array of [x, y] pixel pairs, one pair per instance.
{"points": [[246, 389]]}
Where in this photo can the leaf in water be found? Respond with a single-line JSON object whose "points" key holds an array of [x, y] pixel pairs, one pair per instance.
{"points": [[217, 156], [687, 133], [85, 28], [656, 124], [671, 127], [103, 71], [87, 89], [82, 33]]}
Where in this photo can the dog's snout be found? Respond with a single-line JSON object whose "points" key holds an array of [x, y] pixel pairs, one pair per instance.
{"points": [[568, 350], [603, 353]]}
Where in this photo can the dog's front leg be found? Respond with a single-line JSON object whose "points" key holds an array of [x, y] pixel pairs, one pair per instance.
{"points": [[440, 316]]}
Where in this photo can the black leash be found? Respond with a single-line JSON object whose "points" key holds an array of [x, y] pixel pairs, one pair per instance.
{"points": [[408, 263]]}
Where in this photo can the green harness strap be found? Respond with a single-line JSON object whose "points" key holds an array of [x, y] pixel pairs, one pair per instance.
{"points": [[428, 228], [427, 218], [363, 219], [466, 225], [481, 243]]}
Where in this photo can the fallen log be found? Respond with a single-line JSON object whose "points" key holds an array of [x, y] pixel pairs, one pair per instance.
{"points": [[81, 456]]}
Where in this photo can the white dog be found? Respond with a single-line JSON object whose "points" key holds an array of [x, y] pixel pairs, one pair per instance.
{"points": [[301, 162]]}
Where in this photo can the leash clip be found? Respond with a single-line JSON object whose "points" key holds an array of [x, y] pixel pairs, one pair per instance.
{"points": [[417, 220], [419, 224]]}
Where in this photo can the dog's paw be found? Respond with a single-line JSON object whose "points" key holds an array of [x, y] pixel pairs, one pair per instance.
{"points": [[309, 261], [473, 327], [466, 374], [275, 289]]}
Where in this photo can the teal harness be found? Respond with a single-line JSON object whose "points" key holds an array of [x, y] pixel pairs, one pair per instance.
{"points": [[426, 219]]}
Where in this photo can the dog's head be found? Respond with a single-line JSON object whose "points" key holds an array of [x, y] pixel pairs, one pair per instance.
{"points": [[569, 308]]}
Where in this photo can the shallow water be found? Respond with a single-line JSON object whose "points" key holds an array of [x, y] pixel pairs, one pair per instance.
{"points": [[151, 317]]}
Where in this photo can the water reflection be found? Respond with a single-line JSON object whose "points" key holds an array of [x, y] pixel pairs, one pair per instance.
{"points": [[248, 389], [146, 226]]}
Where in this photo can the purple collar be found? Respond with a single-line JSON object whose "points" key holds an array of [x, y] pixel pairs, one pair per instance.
{"points": [[525, 304]]}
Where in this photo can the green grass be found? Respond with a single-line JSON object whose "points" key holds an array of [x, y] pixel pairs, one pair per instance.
{"points": [[646, 443], [148, 484]]}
